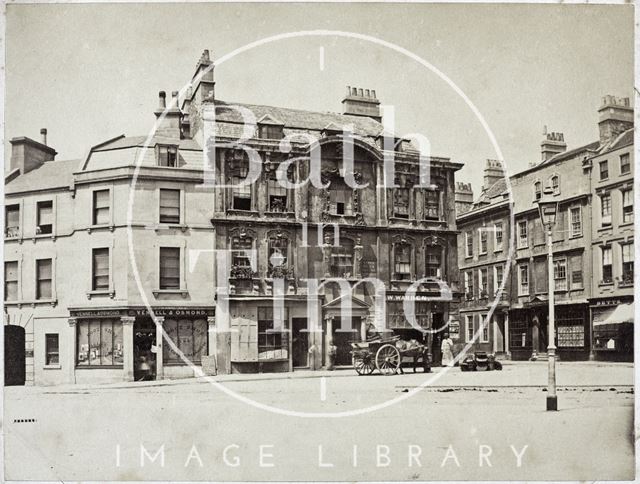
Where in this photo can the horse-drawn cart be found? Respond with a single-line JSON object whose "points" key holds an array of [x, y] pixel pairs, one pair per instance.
{"points": [[386, 355]]}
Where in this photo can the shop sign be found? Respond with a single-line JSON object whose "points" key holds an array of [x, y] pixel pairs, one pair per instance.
{"points": [[412, 297], [174, 312], [96, 313]]}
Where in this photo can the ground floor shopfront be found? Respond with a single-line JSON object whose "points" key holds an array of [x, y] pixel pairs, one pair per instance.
{"points": [[613, 323]]}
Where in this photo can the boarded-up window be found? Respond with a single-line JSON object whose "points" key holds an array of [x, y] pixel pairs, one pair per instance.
{"points": [[189, 337], [244, 335], [99, 342]]}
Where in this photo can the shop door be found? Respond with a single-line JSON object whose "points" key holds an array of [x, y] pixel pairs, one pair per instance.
{"points": [[342, 339], [144, 340], [300, 342]]}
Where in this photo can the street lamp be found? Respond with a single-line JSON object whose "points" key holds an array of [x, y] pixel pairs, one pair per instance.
{"points": [[548, 208]]}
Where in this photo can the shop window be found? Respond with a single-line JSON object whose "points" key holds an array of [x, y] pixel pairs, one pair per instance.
{"points": [[523, 280], [169, 268], [51, 349], [627, 263], [570, 329], [100, 270], [402, 262], [468, 285], [607, 267], [277, 196], [11, 281], [432, 205], [433, 256], [169, 206], [483, 239], [523, 239], [555, 184], [484, 336], [627, 206], [483, 282], [604, 170], [605, 209], [101, 207], [575, 219], [498, 275], [342, 259], [497, 236], [241, 190], [12, 221], [468, 243], [167, 155], [99, 342], [625, 164], [401, 199], [470, 330], [43, 278], [273, 339], [560, 274], [190, 338], [519, 334], [537, 190], [44, 217]]}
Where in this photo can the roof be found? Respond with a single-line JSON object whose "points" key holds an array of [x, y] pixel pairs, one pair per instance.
{"points": [[622, 140], [139, 141], [52, 174]]}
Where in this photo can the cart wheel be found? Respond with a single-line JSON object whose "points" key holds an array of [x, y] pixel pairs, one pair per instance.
{"points": [[388, 359], [363, 363]]}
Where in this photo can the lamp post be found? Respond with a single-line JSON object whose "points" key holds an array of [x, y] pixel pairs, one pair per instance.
{"points": [[548, 208]]}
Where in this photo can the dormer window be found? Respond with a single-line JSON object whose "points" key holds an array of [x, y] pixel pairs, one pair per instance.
{"points": [[270, 128], [167, 155]]}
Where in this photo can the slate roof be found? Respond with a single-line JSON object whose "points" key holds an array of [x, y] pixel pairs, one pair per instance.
{"points": [[51, 175], [622, 140], [139, 141]]}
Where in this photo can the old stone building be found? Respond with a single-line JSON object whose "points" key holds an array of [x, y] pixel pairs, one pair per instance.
{"points": [[104, 251]]}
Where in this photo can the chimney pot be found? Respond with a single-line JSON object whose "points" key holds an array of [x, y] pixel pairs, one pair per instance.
{"points": [[360, 93], [163, 99], [354, 91], [43, 135]]}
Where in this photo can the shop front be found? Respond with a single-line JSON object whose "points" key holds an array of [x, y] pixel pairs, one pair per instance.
{"points": [[613, 329]]}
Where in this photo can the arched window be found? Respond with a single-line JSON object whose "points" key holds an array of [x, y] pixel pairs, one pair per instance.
{"points": [[278, 257], [555, 184], [537, 189], [402, 261], [342, 258]]}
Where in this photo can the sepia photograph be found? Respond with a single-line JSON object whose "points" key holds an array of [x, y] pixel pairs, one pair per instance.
{"points": [[309, 242]]}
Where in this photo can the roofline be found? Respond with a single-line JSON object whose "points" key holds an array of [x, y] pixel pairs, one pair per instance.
{"points": [[32, 142], [559, 157], [486, 208], [83, 165]]}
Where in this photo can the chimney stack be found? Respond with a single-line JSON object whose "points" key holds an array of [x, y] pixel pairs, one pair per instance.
{"points": [[202, 90], [493, 172], [463, 197], [615, 117], [162, 98], [361, 102], [28, 154], [552, 144], [169, 125], [43, 136]]}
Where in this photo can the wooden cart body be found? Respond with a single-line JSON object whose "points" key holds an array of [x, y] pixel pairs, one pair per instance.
{"points": [[386, 355]]}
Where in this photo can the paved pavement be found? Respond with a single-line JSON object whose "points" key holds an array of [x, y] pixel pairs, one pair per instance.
{"points": [[476, 426]]}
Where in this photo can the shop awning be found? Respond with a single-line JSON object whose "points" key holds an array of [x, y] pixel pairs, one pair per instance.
{"points": [[623, 313]]}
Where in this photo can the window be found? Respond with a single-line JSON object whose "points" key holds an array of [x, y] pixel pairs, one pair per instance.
{"points": [[523, 280], [402, 262], [12, 221], [555, 184], [605, 209], [484, 336], [433, 256], [43, 279], [607, 267], [241, 190], [11, 281], [432, 205], [189, 335], [604, 170], [167, 155], [277, 196], [575, 219], [269, 131], [341, 199], [51, 349], [278, 250], [560, 274], [101, 202], [522, 234], [498, 274], [537, 190], [497, 236], [99, 342], [625, 164], [401, 203], [576, 272], [273, 339], [100, 265], [483, 282], [169, 206], [627, 263], [468, 285], [483, 240], [169, 268], [470, 329], [241, 251], [342, 259], [468, 240], [627, 206], [45, 217]]}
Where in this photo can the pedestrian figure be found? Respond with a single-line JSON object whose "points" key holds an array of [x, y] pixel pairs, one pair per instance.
{"points": [[447, 350], [333, 349]]}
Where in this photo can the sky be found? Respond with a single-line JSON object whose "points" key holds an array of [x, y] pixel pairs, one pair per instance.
{"points": [[90, 72]]}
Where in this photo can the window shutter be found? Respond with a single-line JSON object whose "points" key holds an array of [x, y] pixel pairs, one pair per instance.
{"points": [[244, 336]]}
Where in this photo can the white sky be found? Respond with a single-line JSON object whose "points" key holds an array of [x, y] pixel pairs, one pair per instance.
{"points": [[92, 72]]}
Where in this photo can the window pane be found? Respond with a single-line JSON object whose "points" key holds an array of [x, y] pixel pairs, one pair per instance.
{"points": [[169, 206], [101, 207], [45, 213], [12, 214], [100, 269], [185, 337], [94, 342], [171, 329], [200, 336], [52, 355], [83, 343], [106, 342], [169, 268], [117, 343]]}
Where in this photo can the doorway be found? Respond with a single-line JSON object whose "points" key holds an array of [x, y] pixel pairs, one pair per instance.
{"points": [[438, 329], [144, 340], [300, 342], [342, 339]]}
